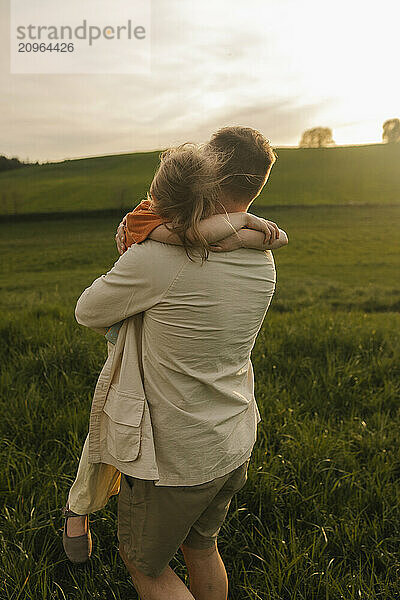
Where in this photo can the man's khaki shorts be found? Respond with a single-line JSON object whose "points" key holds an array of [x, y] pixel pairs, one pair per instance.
{"points": [[153, 521]]}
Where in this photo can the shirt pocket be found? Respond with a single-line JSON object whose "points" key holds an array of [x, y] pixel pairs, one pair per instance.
{"points": [[124, 424]]}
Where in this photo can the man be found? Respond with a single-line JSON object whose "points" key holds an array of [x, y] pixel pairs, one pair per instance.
{"points": [[183, 435]]}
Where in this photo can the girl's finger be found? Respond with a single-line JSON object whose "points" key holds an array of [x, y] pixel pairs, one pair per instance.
{"points": [[268, 230], [276, 228], [269, 235], [273, 230], [265, 229]]}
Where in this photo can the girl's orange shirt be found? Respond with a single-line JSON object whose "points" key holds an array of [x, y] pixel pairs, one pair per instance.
{"points": [[140, 222]]}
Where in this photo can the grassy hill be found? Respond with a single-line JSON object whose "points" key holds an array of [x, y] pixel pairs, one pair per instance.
{"points": [[322, 496], [318, 516], [343, 175]]}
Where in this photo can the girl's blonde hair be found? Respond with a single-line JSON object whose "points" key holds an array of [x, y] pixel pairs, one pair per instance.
{"points": [[184, 190]]}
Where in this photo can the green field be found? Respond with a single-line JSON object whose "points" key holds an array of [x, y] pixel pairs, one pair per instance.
{"points": [[318, 518], [342, 175]]}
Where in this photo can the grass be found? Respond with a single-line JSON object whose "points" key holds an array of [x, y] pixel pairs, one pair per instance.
{"points": [[318, 518], [312, 176], [338, 257]]}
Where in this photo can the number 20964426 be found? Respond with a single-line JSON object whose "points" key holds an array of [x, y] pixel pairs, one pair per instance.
{"points": [[42, 47]]}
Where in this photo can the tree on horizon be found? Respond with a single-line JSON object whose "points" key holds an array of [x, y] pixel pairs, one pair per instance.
{"points": [[391, 131], [10, 163], [317, 137]]}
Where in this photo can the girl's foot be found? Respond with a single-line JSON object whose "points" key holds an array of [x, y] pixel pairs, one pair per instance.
{"points": [[77, 540], [76, 526]]}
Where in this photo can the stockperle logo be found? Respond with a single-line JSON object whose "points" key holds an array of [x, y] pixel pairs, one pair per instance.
{"points": [[55, 37]]}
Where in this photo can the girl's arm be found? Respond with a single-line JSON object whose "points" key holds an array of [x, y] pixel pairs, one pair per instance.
{"points": [[218, 227], [248, 238]]}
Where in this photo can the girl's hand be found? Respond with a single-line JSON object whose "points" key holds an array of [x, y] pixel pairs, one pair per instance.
{"points": [[249, 238], [269, 228], [120, 237]]}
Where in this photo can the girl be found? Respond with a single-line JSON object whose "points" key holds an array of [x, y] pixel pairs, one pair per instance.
{"points": [[180, 209]]}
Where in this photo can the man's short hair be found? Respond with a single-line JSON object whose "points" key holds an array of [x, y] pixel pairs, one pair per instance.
{"points": [[248, 159]]}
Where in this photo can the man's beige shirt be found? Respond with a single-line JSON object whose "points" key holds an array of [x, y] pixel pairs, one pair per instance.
{"points": [[175, 401]]}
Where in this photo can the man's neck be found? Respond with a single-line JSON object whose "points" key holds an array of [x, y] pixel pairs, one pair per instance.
{"points": [[231, 206]]}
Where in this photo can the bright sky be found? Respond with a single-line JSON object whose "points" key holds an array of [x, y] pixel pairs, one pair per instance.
{"points": [[281, 66]]}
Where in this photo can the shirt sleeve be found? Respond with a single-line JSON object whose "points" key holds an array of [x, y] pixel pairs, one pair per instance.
{"points": [[140, 223], [136, 282]]}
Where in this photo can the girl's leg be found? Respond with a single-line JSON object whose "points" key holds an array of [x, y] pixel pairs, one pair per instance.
{"points": [[94, 482], [91, 490]]}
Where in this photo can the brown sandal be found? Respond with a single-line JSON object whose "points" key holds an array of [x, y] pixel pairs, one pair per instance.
{"points": [[78, 548]]}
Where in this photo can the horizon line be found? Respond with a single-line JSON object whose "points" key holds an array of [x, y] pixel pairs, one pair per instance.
{"points": [[92, 156]]}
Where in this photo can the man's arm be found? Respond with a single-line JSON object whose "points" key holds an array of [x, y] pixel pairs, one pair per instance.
{"points": [[136, 282]]}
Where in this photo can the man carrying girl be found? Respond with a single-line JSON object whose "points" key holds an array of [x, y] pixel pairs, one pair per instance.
{"points": [[174, 417]]}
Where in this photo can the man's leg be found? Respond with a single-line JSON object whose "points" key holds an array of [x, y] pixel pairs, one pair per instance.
{"points": [[207, 573], [167, 586]]}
